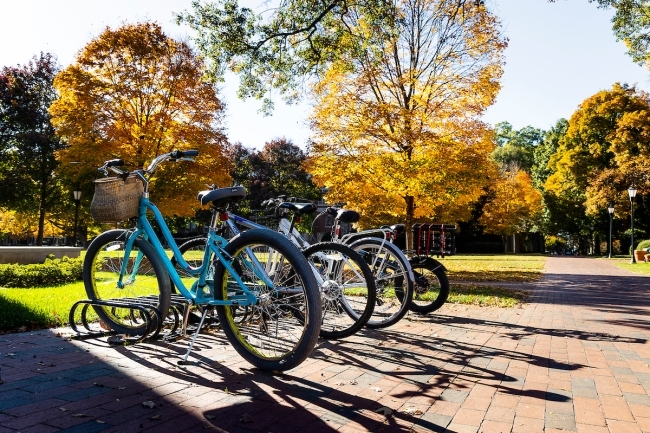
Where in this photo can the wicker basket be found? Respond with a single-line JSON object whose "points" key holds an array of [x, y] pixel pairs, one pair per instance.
{"points": [[116, 200]]}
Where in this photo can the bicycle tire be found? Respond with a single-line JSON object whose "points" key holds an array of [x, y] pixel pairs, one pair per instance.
{"points": [[431, 288], [392, 273], [345, 310], [271, 336], [101, 270]]}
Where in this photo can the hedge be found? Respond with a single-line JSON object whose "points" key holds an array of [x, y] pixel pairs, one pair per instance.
{"points": [[643, 244], [50, 273]]}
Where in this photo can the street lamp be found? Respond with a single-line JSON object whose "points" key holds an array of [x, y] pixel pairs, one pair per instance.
{"points": [[610, 209], [77, 197], [631, 191]]}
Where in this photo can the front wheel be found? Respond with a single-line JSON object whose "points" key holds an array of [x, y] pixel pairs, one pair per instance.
{"points": [[347, 288], [431, 285], [281, 329], [144, 278]]}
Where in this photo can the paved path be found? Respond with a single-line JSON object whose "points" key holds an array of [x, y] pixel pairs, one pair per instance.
{"points": [[576, 358]]}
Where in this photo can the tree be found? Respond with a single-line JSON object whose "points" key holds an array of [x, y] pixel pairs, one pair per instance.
{"points": [[514, 206], [605, 149], [400, 136], [27, 139], [278, 168], [135, 93], [516, 147], [284, 46]]}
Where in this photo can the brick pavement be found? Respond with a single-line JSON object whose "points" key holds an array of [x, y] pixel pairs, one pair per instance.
{"points": [[576, 358]]}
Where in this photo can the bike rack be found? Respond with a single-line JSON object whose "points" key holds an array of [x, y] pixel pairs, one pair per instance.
{"points": [[143, 309]]}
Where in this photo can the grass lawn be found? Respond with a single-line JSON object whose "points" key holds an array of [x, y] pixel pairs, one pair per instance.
{"points": [[639, 267], [41, 307], [485, 296], [504, 267]]}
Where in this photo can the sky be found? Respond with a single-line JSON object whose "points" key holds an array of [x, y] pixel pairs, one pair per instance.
{"points": [[558, 55]]}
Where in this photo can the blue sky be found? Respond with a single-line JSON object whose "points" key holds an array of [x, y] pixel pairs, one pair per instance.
{"points": [[559, 54]]}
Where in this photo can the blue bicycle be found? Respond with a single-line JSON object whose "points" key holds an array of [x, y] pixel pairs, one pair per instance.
{"points": [[258, 271]]}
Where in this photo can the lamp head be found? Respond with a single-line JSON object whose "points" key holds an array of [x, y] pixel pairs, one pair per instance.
{"points": [[77, 194], [631, 191], [610, 208]]}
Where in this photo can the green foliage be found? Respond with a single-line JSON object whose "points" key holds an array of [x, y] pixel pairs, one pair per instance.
{"points": [[50, 273], [643, 244], [516, 148], [547, 147], [27, 139]]}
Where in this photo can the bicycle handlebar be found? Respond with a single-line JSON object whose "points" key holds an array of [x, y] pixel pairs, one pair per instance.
{"points": [[176, 155]]}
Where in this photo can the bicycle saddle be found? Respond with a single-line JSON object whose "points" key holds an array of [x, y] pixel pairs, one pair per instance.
{"points": [[348, 216], [299, 208], [222, 195], [397, 228]]}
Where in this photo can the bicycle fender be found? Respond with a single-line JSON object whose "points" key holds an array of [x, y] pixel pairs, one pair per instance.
{"points": [[423, 259]]}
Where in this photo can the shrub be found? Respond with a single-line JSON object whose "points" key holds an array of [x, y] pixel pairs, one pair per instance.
{"points": [[643, 244], [482, 248], [52, 272]]}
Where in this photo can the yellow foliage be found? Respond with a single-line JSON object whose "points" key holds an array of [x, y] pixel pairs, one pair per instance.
{"points": [[24, 225], [397, 134], [135, 93], [515, 204], [605, 149]]}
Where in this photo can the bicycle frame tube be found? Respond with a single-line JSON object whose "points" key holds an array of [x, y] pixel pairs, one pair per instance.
{"points": [[214, 245]]}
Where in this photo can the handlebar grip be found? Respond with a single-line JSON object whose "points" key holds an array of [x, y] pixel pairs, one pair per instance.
{"points": [[115, 163], [332, 211], [183, 153]]}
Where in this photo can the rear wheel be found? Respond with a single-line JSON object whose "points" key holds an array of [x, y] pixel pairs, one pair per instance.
{"points": [[431, 285], [347, 288], [391, 271], [281, 329], [144, 278]]}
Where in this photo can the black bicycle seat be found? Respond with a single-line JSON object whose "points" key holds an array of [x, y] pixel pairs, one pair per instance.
{"points": [[221, 196], [299, 208], [348, 216]]}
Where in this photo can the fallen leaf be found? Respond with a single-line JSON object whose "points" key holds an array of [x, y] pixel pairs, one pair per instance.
{"points": [[353, 382], [121, 387], [376, 389], [99, 421], [149, 404], [80, 415], [62, 409], [246, 418], [155, 417], [339, 383], [210, 416], [412, 411], [384, 411]]}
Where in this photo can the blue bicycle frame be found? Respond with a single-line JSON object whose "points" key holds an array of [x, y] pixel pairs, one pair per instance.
{"points": [[215, 245]]}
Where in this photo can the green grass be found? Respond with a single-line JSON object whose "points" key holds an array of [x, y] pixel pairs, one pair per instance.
{"points": [[638, 268], [521, 268], [486, 296], [41, 307]]}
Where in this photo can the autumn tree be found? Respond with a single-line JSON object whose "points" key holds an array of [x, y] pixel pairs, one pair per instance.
{"points": [[605, 149], [134, 93], [397, 129], [514, 204], [27, 140]]}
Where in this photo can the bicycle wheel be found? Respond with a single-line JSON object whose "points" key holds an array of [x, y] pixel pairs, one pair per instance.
{"points": [[145, 278], [347, 288], [431, 285], [392, 277], [281, 329]]}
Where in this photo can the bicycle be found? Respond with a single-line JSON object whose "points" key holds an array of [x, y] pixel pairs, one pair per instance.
{"points": [[431, 283], [258, 270], [346, 284], [391, 269]]}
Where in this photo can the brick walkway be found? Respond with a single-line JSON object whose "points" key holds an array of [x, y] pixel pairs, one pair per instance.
{"points": [[575, 359]]}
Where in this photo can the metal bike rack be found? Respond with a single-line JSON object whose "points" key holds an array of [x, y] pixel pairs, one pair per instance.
{"points": [[175, 324]]}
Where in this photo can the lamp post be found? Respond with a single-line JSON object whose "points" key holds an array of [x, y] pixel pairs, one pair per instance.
{"points": [[610, 209], [77, 197], [631, 191]]}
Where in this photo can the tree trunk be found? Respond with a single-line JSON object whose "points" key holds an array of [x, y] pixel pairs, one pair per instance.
{"points": [[410, 216], [504, 238], [41, 227]]}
